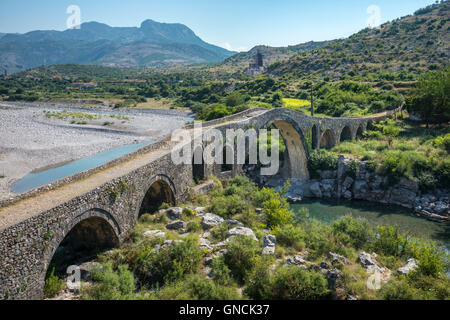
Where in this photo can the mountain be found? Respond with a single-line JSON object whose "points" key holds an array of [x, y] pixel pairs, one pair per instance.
{"points": [[410, 44], [153, 43]]}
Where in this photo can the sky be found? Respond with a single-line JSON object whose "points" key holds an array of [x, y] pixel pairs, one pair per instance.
{"points": [[234, 24]]}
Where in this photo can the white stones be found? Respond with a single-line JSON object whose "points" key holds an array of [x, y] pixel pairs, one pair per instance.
{"points": [[336, 259], [410, 266], [205, 244], [369, 263], [242, 231], [176, 225], [210, 220], [174, 213], [155, 234], [296, 261]]}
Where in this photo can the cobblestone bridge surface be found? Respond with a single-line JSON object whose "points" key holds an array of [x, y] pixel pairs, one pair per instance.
{"points": [[100, 206]]}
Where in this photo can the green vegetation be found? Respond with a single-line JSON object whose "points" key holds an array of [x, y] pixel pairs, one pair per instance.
{"points": [[400, 149], [146, 268], [53, 285]]}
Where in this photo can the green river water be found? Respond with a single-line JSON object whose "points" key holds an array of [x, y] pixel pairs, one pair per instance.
{"points": [[378, 214]]}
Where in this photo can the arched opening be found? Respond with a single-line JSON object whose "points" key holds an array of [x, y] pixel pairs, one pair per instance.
{"points": [[227, 164], [346, 134], [327, 140], [198, 165], [314, 135], [294, 156], [359, 132], [159, 192], [83, 243]]}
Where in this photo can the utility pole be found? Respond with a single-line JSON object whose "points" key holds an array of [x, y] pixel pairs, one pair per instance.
{"points": [[312, 99]]}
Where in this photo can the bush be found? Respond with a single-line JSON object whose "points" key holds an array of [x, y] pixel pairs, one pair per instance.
{"points": [[351, 231], [111, 285], [221, 272], [258, 280], [427, 181], [241, 255], [433, 260], [397, 290], [290, 236], [277, 214], [294, 283], [170, 263], [228, 206], [390, 241], [322, 160], [196, 287], [194, 226], [53, 285], [443, 142], [189, 212]]}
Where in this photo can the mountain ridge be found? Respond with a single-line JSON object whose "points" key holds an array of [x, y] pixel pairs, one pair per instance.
{"points": [[165, 43]]}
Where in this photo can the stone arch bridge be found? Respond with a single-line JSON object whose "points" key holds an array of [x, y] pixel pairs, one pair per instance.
{"points": [[99, 207]]}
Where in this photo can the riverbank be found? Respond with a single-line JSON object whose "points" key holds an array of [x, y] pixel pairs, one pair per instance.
{"points": [[35, 138]]}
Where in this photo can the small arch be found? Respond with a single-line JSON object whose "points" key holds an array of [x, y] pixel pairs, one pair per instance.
{"points": [[359, 132], [346, 134], [159, 192], [314, 136], [327, 140], [198, 165], [92, 232]]}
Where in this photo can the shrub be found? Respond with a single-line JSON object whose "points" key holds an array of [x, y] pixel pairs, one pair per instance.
{"points": [[220, 232], [189, 212], [433, 260], [351, 231], [111, 285], [53, 285], [427, 181], [228, 206], [294, 283], [290, 236], [170, 263], [390, 241], [194, 226], [241, 255], [443, 142], [258, 280], [397, 290], [221, 272], [322, 160], [276, 214], [196, 287]]}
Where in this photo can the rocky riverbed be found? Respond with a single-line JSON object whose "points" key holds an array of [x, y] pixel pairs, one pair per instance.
{"points": [[32, 140]]}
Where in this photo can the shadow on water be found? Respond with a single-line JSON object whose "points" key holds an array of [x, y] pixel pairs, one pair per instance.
{"points": [[378, 214]]}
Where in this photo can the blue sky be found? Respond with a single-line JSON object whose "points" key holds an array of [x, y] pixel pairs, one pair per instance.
{"points": [[235, 24]]}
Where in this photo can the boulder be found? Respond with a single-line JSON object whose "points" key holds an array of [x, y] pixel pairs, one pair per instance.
{"points": [[269, 241], [315, 190], [296, 261], [210, 220], [200, 210], [170, 243], [234, 223], [333, 276], [411, 265], [324, 265], [174, 213], [205, 244], [176, 225], [241, 231], [369, 263], [348, 182], [269, 250], [154, 234], [336, 259]]}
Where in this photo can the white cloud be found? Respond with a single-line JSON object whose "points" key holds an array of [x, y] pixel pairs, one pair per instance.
{"points": [[227, 46]]}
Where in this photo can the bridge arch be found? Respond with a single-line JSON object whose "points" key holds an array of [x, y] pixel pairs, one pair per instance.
{"points": [[160, 190], [359, 132], [327, 140], [85, 235], [346, 134], [295, 145]]}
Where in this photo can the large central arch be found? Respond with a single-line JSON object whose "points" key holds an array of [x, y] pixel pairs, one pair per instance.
{"points": [[295, 147]]}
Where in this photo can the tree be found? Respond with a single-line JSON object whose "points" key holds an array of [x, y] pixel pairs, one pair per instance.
{"points": [[391, 131], [431, 98]]}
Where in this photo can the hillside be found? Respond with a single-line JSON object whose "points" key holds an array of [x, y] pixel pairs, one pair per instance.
{"points": [[410, 45], [240, 61], [153, 43]]}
